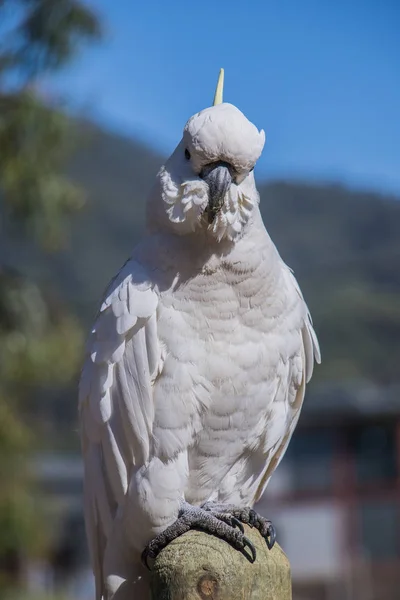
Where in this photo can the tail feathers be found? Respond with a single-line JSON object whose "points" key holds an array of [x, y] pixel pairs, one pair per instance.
{"points": [[125, 577], [135, 585]]}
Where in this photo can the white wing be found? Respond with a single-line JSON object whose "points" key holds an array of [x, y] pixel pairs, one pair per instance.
{"points": [[310, 342], [115, 401], [292, 377]]}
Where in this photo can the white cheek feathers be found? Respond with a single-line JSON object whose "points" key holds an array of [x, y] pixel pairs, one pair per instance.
{"points": [[186, 202], [235, 213]]}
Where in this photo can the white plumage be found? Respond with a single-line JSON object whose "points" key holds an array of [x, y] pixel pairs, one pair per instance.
{"points": [[197, 362]]}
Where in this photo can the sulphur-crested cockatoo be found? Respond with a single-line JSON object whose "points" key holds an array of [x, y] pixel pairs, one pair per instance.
{"points": [[196, 364]]}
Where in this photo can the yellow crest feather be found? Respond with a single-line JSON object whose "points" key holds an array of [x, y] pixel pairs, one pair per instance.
{"points": [[220, 89]]}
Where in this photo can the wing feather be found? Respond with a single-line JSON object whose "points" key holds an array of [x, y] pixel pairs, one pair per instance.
{"points": [[295, 374], [115, 401]]}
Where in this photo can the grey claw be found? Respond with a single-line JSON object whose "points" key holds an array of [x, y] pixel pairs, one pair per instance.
{"points": [[237, 523], [272, 537], [252, 517], [144, 557], [251, 547]]}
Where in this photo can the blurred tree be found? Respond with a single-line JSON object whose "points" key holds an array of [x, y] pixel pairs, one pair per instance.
{"points": [[39, 341]]}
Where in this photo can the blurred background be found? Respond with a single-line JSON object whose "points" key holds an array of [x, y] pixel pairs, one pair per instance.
{"points": [[93, 96]]}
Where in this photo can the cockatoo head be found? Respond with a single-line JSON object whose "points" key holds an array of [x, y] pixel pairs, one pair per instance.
{"points": [[208, 181]]}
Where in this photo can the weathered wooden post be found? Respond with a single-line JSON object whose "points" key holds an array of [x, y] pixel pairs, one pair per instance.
{"points": [[198, 566]]}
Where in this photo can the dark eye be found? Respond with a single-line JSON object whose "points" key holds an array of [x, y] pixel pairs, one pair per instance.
{"points": [[252, 169], [187, 154]]}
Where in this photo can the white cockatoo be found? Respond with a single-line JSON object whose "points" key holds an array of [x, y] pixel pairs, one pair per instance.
{"points": [[196, 365]]}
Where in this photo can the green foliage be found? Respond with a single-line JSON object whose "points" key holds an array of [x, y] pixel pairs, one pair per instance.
{"points": [[40, 342], [48, 34], [33, 139], [20, 507], [40, 345], [53, 31]]}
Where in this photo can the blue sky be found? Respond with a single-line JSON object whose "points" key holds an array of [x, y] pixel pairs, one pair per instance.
{"points": [[322, 77]]}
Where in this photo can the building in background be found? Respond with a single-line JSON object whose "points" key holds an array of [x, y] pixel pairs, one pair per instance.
{"points": [[334, 500], [67, 570]]}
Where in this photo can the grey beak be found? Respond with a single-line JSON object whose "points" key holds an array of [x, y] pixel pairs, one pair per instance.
{"points": [[219, 179]]}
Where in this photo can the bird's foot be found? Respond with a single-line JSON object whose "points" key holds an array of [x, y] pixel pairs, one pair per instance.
{"points": [[245, 515], [221, 524]]}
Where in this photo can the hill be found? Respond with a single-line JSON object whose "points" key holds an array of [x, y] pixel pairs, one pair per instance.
{"points": [[344, 247]]}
